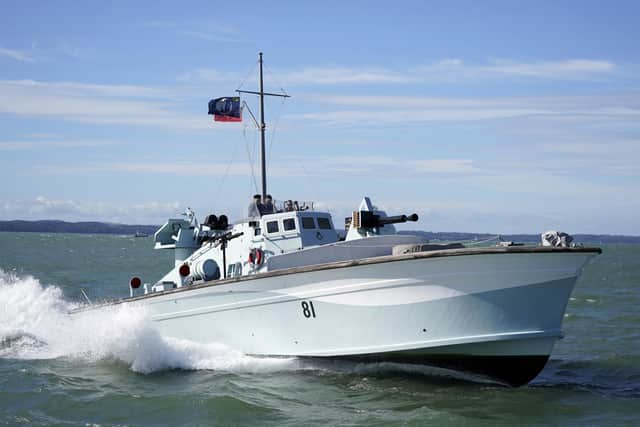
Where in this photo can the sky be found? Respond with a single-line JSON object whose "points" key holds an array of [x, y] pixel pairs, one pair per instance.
{"points": [[494, 116]]}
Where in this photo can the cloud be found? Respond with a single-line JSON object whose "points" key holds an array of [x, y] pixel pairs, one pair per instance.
{"points": [[85, 89], [215, 32], [451, 70], [26, 145], [213, 37], [210, 75], [18, 55], [568, 69], [381, 110], [41, 207], [610, 101], [370, 117], [98, 103], [74, 52], [344, 75], [282, 167]]}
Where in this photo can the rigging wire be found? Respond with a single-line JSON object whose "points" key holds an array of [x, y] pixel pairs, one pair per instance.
{"points": [[276, 123], [306, 173], [226, 172], [266, 67], [251, 157], [279, 113], [235, 146], [255, 64]]}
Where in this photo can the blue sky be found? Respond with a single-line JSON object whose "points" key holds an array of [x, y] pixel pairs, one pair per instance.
{"points": [[480, 116]]}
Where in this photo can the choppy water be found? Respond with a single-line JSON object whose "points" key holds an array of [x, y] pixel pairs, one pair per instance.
{"points": [[110, 368]]}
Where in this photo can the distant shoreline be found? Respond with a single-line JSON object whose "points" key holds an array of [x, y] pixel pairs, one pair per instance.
{"points": [[95, 227], [90, 227]]}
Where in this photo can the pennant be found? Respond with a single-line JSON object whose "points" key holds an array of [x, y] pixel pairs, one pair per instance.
{"points": [[226, 109]]}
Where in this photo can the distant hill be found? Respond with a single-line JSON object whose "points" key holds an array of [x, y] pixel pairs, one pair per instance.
{"points": [[53, 226]]}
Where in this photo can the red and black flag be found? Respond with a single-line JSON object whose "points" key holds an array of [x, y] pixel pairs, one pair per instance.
{"points": [[226, 109]]}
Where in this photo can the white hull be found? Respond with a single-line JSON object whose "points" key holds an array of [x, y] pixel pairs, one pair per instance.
{"points": [[476, 310]]}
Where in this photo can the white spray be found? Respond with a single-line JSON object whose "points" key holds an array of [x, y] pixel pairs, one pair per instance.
{"points": [[34, 324]]}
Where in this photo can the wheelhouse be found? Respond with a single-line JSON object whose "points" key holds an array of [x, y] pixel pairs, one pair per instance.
{"points": [[290, 231]]}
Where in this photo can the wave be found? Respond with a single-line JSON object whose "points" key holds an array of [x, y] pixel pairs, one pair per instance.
{"points": [[35, 324]]}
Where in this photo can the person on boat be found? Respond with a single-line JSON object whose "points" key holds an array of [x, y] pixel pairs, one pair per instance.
{"points": [[288, 206], [255, 207], [268, 205]]}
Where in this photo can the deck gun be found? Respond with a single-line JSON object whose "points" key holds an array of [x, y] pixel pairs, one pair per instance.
{"points": [[368, 219]]}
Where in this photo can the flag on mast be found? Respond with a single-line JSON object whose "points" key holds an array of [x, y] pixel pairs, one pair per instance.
{"points": [[226, 109]]}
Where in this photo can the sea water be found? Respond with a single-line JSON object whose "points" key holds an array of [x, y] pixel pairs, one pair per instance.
{"points": [[110, 367]]}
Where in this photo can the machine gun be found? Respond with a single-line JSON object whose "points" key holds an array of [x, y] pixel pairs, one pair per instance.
{"points": [[367, 219], [221, 240]]}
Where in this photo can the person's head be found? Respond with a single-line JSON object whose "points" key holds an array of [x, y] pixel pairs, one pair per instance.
{"points": [[268, 198], [256, 198]]}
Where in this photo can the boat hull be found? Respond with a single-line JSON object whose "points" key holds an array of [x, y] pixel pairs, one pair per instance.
{"points": [[496, 314]]}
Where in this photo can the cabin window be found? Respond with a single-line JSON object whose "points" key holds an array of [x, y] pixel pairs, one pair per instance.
{"points": [[289, 224], [307, 222], [324, 223], [272, 227]]}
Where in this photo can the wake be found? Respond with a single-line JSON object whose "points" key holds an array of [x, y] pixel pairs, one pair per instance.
{"points": [[35, 324]]}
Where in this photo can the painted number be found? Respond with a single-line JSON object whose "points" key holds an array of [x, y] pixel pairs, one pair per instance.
{"points": [[307, 309]]}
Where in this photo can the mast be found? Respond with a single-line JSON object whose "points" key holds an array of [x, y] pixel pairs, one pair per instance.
{"points": [[262, 125], [263, 154]]}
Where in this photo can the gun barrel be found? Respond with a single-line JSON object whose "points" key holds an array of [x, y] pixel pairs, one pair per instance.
{"points": [[397, 219]]}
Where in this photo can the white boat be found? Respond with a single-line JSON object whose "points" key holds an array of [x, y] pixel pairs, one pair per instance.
{"points": [[282, 282]]}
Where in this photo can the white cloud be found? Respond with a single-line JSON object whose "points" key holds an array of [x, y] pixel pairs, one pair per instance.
{"points": [[212, 36], [568, 69], [18, 55], [26, 145], [95, 103], [182, 168], [215, 31], [210, 75], [443, 166], [406, 109], [377, 117], [450, 70], [151, 212], [345, 75], [282, 167], [71, 51], [627, 100], [85, 89]]}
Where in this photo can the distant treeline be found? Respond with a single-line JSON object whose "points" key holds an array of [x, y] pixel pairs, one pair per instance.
{"points": [[523, 238], [50, 226]]}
